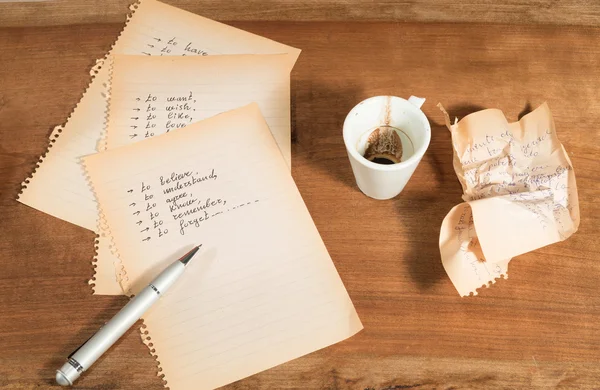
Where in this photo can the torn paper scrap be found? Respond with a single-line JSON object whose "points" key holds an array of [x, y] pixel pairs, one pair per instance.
{"points": [[519, 191]]}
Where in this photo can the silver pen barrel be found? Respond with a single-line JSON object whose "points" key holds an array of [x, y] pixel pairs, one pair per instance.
{"points": [[83, 357]]}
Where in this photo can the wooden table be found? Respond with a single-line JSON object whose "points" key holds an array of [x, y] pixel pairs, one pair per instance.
{"points": [[539, 329]]}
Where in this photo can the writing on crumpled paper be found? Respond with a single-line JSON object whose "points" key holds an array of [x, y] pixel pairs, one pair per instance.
{"points": [[519, 191]]}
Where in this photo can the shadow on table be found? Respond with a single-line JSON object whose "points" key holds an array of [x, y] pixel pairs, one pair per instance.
{"points": [[318, 114], [526, 110], [429, 207]]}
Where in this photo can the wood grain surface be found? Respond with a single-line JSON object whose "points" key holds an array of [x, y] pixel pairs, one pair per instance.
{"points": [[540, 329], [15, 13]]}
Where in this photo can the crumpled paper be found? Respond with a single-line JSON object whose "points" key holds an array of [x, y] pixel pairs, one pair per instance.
{"points": [[519, 191]]}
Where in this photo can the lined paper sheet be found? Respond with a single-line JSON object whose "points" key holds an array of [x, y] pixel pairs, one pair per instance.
{"points": [[263, 290], [58, 187], [150, 96]]}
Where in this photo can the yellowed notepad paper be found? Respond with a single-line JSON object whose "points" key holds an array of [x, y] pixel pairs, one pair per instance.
{"points": [[106, 269], [59, 187], [263, 290], [519, 190], [150, 96]]}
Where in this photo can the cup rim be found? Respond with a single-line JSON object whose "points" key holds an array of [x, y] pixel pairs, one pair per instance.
{"points": [[416, 156]]}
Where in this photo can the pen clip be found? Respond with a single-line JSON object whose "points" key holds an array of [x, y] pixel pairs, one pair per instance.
{"points": [[82, 344], [78, 348]]}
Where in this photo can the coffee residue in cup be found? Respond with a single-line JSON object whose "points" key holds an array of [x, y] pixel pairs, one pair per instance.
{"points": [[384, 146]]}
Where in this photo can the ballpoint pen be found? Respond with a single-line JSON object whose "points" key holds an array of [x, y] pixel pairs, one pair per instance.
{"points": [[83, 357]]}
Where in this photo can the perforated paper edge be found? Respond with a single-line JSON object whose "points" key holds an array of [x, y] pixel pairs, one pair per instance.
{"points": [[104, 228], [57, 131], [107, 60], [476, 291], [147, 340], [92, 280], [103, 142]]}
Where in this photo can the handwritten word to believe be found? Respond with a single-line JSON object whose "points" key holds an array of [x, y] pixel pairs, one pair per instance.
{"points": [[182, 180]]}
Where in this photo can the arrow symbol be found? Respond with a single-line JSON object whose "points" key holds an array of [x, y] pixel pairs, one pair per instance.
{"points": [[139, 222], [158, 39], [145, 53], [131, 204], [132, 136], [136, 118], [149, 45], [135, 127], [137, 99], [144, 230], [130, 191], [136, 213], [136, 109], [146, 239]]}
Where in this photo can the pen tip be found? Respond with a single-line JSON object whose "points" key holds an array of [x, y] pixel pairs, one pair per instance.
{"points": [[185, 259]]}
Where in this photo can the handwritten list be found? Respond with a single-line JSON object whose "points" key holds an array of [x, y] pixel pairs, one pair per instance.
{"points": [[182, 194], [156, 95], [179, 112]]}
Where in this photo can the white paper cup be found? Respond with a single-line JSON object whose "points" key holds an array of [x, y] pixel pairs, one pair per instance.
{"points": [[380, 181]]}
